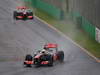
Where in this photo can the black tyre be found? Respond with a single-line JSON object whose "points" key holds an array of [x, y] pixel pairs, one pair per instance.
{"points": [[30, 14], [29, 57], [60, 55], [14, 14], [50, 60], [28, 65]]}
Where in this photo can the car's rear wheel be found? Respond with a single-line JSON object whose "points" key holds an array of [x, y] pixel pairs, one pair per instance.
{"points": [[60, 55]]}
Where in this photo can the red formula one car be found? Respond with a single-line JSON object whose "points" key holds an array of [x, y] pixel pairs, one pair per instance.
{"points": [[23, 13], [47, 56]]}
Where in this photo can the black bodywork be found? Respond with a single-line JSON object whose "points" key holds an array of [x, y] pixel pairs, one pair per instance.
{"points": [[22, 15], [48, 59]]}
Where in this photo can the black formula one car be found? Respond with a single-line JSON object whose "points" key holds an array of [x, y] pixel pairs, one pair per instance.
{"points": [[47, 56], [23, 13]]}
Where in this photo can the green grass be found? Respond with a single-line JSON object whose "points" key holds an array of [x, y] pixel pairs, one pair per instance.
{"points": [[71, 30]]}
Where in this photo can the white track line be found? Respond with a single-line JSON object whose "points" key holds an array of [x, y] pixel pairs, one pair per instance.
{"points": [[97, 60]]}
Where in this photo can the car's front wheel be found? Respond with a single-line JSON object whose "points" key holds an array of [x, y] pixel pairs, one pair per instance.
{"points": [[29, 57], [14, 15]]}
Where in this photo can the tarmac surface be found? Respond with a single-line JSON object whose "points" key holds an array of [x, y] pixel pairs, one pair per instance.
{"points": [[18, 38]]}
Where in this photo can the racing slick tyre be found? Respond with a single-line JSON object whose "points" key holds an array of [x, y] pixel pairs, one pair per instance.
{"points": [[50, 61], [28, 58], [60, 55], [28, 65], [30, 14], [14, 15]]}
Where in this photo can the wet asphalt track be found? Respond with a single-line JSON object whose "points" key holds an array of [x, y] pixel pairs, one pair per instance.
{"points": [[18, 38]]}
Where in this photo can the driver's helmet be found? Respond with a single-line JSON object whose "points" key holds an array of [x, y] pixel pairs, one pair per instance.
{"points": [[46, 48], [43, 51]]}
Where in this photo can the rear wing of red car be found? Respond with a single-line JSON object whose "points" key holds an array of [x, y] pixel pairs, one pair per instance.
{"points": [[50, 45], [23, 7]]}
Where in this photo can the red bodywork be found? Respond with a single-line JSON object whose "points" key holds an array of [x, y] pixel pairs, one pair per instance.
{"points": [[55, 57], [20, 17], [23, 7], [30, 17], [51, 45], [44, 62], [29, 62], [23, 14], [38, 56]]}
